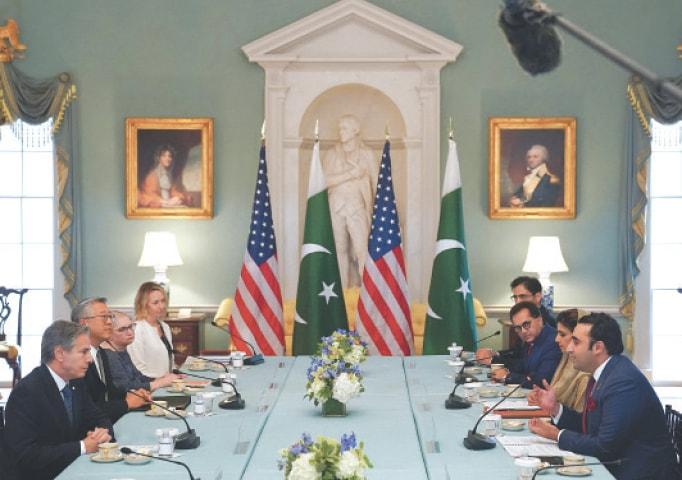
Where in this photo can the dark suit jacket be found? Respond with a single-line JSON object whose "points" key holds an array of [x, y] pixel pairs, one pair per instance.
{"points": [[627, 422], [107, 397], [545, 194], [547, 317], [39, 438], [540, 364]]}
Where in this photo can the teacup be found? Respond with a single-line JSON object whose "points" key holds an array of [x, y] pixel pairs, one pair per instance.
{"points": [[491, 424], [574, 460], [496, 366], [197, 364], [238, 359], [108, 450], [527, 467], [178, 385], [156, 407]]}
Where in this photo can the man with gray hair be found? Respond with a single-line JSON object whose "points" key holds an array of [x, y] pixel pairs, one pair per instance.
{"points": [[94, 313], [50, 417], [540, 188]]}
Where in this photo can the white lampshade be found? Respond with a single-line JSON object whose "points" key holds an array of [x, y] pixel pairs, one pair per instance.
{"points": [[160, 251], [544, 256]]}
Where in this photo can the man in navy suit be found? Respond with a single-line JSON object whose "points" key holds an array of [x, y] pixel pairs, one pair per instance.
{"points": [[94, 313], [538, 356], [50, 418], [622, 419]]}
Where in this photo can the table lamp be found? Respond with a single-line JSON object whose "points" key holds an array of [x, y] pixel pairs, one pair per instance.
{"points": [[544, 258], [160, 251]]}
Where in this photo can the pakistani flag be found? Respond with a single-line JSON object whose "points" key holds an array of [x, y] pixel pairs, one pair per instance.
{"points": [[450, 314], [320, 307]]}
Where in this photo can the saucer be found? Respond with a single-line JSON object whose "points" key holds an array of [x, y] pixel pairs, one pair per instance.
{"points": [[170, 416], [96, 458], [517, 394], [134, 459], [197, 368], [513, 425], [176, 390], [151, 413], [473, 370], [574, 471], [193, 389], [488, 393]]}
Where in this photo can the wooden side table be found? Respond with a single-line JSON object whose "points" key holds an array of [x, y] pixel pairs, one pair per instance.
{"points": [[187, 335]]}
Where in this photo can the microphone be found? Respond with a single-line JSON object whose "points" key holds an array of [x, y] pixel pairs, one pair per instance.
{"points": [[477, 441], [236, 402], [255, 358], [129, 451], [455, 402], [610, 462], [216, 381], [184, 441], [531, 36]]}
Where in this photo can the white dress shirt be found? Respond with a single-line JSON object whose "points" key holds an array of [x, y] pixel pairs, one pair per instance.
{"points": [[148, 352], [61, 383]]}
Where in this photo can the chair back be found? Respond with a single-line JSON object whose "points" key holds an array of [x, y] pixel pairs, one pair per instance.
{"points": [[674, 420], [6, 309]]}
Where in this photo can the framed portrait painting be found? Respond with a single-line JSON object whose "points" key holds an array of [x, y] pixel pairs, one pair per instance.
{"points": [[531, 168], [169, 168]]}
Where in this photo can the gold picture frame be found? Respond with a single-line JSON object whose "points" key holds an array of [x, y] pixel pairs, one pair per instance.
{"points": [[169, 168], [531, 167]]}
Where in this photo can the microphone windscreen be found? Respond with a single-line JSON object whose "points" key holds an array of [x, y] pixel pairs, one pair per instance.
{"points": [[536, 46]]}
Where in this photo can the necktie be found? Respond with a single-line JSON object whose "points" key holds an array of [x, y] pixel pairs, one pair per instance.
{"points": [[67, 394], [100, 366], [588, 397]]}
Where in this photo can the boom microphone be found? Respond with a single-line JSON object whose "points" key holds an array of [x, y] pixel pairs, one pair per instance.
{"points": [[255, 358], [129, 451], [531, 36], [184, 441], [611, 462]]}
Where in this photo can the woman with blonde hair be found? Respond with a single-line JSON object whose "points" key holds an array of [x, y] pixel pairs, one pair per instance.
{"points": [[569, 383], [152, 349]]}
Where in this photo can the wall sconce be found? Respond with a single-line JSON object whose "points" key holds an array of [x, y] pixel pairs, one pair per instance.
{"points": [[160, 251], [544, 258]]}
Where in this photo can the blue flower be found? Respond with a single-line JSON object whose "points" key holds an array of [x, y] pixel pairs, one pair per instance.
{"points": [[307, 439], [348, 442]]}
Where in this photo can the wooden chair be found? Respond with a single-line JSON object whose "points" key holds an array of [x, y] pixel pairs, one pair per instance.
{"points": [[674, 420], [8, 351]]}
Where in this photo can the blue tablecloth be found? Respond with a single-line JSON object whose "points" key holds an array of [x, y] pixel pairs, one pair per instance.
{"points": [[441, 431]]}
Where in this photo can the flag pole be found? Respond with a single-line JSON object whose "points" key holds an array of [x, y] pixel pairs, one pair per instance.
{"points": [[262, 131]]}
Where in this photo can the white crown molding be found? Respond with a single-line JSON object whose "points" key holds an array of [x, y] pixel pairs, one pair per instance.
{"points": [[281, 45]]}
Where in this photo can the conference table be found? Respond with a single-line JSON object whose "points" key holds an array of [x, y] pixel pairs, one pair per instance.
{"points": [[400, 417]]}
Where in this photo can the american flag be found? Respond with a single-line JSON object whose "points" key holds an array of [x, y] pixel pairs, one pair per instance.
{"points": [[383, 308], [257, 317]]}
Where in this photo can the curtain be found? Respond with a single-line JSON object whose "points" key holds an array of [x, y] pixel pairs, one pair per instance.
{"points": [[35, 101], [646, 104]]}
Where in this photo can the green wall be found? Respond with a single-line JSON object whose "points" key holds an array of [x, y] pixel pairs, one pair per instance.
{"points": [[183, 58]]}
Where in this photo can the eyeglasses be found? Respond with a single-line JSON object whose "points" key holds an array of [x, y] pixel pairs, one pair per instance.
{"points": [[103, 316], [521, 296], [524, 326], [130, 327]]}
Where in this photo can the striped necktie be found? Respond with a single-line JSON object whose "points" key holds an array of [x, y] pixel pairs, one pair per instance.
{"points": [[67, 395], [588, 397]]}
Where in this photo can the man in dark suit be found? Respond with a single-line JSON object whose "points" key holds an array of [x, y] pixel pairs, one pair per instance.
{"points": [[540, 187], [529, 289], [622, 418], [50, 418], [94, 313]]}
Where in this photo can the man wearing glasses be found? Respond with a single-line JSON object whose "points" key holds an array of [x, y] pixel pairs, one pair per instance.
{"points": [[529, 289], [115, 402], [539, 355]]}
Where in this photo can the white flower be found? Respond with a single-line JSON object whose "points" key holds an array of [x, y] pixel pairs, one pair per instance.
{"points": [[303, 469], [349, 465], [355, 356], [346, 387]]}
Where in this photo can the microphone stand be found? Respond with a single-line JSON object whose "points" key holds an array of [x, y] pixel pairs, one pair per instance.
{"points": [[549, 467], [236, 402], [471, 363], [216, 381], [455, 402], [129, 451], [543, 16], [255, 358], [477, 441], [185, 441]]}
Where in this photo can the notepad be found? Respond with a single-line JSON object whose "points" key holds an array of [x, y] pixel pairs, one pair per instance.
{"points": [[531, 445]]}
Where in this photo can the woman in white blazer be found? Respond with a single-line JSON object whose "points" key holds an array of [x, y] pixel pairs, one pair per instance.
{"points": [[152, 349]]}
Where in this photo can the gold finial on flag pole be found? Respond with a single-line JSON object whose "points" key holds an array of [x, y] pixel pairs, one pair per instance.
{"points": [[317, 130], [387, 133], [451, 131], [262, 131]]}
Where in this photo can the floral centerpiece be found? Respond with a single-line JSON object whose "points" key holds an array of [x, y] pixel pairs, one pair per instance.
{"points": [[334, 375], [324, 459]]}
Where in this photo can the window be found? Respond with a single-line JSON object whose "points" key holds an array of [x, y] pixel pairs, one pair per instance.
{"points": [[27, 235], [665, 237]]}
